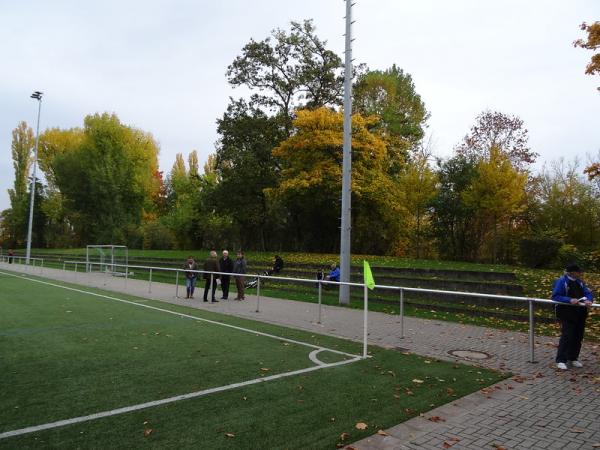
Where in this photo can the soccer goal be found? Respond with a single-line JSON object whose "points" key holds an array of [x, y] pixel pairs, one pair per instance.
{"points": [[111, 259]]}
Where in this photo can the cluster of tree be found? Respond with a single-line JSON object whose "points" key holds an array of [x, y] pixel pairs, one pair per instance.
{"points": [[274, 181]]}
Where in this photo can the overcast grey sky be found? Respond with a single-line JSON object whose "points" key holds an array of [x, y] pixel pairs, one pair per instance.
{"points": [[160, 65]]}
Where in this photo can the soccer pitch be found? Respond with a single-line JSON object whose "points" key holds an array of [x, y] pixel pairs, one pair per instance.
{"points": [[85, 368]]}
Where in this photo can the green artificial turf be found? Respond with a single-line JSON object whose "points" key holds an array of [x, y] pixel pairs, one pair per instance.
{"points": [[65, 354]]}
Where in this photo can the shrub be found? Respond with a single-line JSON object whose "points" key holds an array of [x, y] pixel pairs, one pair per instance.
{"points": [[539, 251], [157, 237], [591, 261], [568, 254]]}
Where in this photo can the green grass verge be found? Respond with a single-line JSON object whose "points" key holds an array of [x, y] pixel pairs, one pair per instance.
{"points": [[67, 354]]}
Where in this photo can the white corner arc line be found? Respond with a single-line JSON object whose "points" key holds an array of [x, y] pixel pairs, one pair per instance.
{"points": [[188, 316], [313, 357], [165, 401]]}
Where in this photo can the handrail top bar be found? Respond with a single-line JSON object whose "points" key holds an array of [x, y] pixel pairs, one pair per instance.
{"points": [[305, 280]]}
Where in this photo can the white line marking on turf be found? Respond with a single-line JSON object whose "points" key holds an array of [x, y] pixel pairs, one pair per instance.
{"points": [[313, 357], [164, 401], [214, 322]]}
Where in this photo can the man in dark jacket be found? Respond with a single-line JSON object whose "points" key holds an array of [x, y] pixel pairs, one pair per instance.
{"points": [[210, 279], [574, 299], [226, 265]]}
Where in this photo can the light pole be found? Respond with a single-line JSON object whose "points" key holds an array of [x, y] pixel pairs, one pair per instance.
{"points": [[38, 96], [346, 219]]}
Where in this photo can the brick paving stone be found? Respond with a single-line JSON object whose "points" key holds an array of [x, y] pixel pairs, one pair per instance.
{"points": [[536, 413]]}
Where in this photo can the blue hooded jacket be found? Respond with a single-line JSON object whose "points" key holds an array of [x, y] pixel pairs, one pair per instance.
{"points": [[560, 294]]}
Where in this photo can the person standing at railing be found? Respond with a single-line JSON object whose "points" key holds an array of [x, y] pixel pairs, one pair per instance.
{"points": [[574, 299], [239, 269], [11, 255], [210, 279], [226, 265], [190, 277]]}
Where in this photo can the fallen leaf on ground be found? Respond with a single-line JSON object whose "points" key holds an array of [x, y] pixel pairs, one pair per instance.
{"points": [[148, 432], [230, 435], [344, 436], [577, 430], [382, 433], [450, 442], [436, 419], [361, 426], [417, 381]]}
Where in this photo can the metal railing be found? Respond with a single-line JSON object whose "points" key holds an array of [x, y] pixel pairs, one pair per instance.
{"points": [[531, 301], [22, 260]]}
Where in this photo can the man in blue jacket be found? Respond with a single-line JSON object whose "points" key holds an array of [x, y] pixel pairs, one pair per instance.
{"points": [[574, 299], [334, 274]]}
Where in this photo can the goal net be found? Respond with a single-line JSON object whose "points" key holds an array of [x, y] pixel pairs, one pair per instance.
{"points": [[111, 259]]}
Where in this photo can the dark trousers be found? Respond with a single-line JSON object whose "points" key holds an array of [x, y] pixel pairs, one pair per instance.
{"points": [[225, 285], [207, 288], [571, 337], [239, 282]]}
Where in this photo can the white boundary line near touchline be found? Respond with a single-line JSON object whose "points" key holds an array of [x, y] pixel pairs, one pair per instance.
{"points": [[188, 316], [312, 356], [165, 401]]}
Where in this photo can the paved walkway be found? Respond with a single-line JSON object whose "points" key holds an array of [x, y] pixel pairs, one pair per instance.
{"points": [[538, 408]]}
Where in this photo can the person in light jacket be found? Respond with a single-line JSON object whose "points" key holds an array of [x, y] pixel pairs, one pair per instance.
{"points": [[573, 301], [226, 265]]}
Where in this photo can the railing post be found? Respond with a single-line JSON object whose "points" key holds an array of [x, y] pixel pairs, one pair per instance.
{"points": [[320, 297], [150, 281], [401, 313], [531, 333], [177, 284], [365, 332], [126, 275], [258, 293]]}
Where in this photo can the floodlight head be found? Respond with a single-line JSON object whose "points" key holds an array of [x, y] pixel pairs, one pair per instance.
{"points": [[37, 95]]}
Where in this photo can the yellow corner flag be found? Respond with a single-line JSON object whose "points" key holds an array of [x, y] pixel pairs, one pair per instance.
{"points": [[369, 281]]}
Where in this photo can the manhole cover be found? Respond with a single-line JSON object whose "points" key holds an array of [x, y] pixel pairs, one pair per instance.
{"points": [[469, 354]]}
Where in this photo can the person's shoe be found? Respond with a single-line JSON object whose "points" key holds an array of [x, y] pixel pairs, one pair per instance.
{"points": [[561, 366], [214, 300], [205, 300], [576, 364]]}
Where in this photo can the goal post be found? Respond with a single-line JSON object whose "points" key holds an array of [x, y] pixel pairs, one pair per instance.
{"points": [[111, 259]]}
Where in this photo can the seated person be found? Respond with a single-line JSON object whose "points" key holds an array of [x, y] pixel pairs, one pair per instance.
{"points": [[277, 265], [334, 274]]}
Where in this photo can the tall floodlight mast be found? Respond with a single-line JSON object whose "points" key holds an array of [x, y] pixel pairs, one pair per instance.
{"points": [[346, 219], [37, 95]]}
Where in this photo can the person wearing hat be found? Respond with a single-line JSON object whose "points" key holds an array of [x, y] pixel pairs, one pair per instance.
{"points": [[574, 299]]}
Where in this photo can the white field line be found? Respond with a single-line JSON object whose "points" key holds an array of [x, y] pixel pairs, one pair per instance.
{"points": [[247, 330], [164, 401], [313, 357]]}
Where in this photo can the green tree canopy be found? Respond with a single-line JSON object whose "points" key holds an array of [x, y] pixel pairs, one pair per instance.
{"points": [[391, 96], [108, 180], [289, 70]]}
